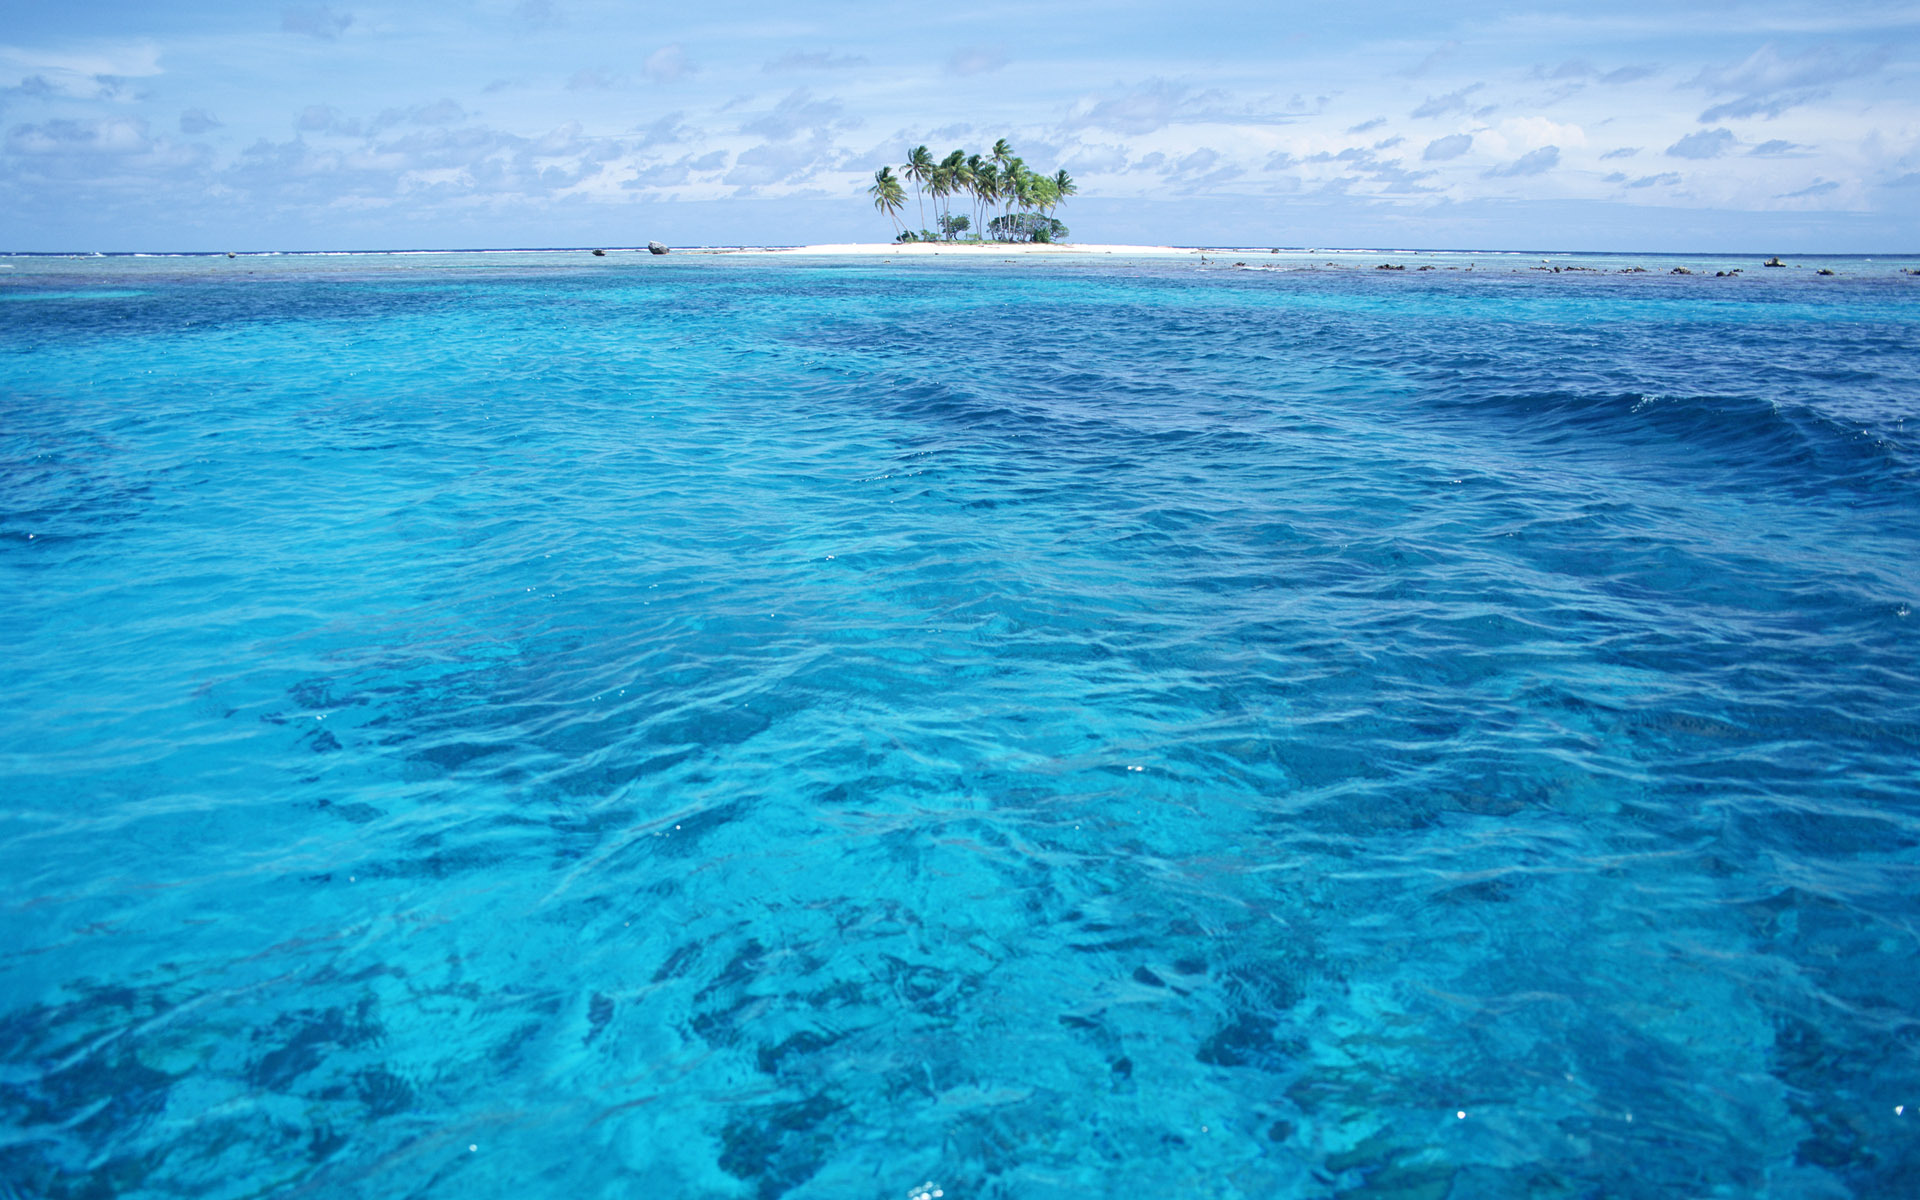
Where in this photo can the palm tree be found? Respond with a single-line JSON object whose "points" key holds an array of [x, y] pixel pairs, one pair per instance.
{"points": [[962, 175], [1002, 155], [888, 196], [938, 184], [947, 176], [986, 184], [998, 177], [1043, 194], [953, 168], [976, 165], [1016, 189], [919, 168]]}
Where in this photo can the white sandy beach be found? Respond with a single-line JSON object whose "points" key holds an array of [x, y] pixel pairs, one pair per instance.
{"points": [[973, 249]]}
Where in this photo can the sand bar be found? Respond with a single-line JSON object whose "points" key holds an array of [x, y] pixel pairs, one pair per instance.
{"points": [[973, 249]]}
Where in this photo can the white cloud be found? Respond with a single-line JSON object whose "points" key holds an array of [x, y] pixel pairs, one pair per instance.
{"points": [[1629, 74], [1154, 126], [1142, 109], [1817, 188], [1440, 54], [799, 112], [110, 137], [668, 64], [1440, 106], [1535, 162], [321, 22], [1532, 133], [324, 118], [1573, 68], [1769, 83], [90, 75], [664, 130], [1708, 143], [776, 163], [1157, 103], [441, 112]]}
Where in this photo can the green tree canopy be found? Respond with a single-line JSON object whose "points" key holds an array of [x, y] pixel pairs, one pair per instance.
{"points": [[997, 177], [888, 195]]}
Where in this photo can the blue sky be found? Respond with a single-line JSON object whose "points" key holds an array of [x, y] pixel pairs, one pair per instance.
{"points": [[207, 124]]}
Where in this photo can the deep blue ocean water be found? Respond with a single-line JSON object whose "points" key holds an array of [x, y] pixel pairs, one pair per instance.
{"points": [[723, 727]]}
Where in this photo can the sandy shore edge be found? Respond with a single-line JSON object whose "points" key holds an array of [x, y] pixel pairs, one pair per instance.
{"points": [[966, 249]]}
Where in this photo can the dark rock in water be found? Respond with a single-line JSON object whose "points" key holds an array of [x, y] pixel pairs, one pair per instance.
{"points": [[1679, 271], [1389, 267], [1824, 271], [1773, 262], [599, 253], [599, 1012], [1247, 1041], [655, 248], [384, 1093], [781, 1146]]}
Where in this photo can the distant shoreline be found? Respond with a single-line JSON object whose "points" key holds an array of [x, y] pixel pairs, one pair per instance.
{"points": [[17, 270], [999, 249], [973, 249], [822, 250]]}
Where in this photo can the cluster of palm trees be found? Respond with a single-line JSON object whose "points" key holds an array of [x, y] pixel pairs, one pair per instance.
{"points": [[997, 178]]}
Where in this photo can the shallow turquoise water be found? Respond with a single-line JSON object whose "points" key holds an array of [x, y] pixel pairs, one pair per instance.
{"points": [[734, 727]]}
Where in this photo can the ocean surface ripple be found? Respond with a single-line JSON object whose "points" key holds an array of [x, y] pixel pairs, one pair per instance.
{"points": [[743, 728]]}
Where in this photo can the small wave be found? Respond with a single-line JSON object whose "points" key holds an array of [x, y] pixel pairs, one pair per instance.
{"points": [[1745, 441], [24, 295]]}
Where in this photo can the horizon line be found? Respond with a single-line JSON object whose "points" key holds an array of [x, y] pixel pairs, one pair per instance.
{"points": [[1267, 247]]}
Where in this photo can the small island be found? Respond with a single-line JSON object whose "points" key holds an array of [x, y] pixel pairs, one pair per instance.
{"points": [[999, 178]]}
